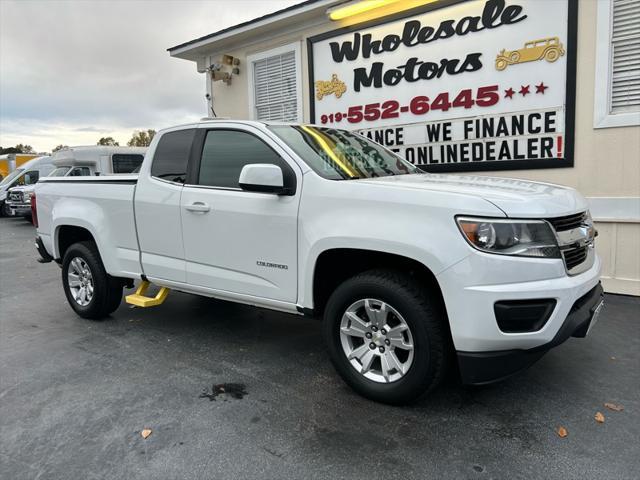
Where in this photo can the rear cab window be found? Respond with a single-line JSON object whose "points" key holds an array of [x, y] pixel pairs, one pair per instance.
{"points": [[171, 157]]}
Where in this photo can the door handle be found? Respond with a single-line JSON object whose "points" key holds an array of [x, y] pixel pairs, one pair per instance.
{"points": [[198, 207]]}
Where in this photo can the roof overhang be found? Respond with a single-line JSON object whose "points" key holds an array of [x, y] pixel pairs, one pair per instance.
{"points": [[308, 11]]}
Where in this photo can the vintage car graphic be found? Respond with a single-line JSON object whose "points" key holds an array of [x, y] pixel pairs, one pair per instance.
{"points": [[549, 49], [335, 86]]}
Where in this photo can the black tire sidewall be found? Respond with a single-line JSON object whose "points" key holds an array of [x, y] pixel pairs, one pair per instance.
{"points": [[5, 211], [423, 369], [101, 301]]}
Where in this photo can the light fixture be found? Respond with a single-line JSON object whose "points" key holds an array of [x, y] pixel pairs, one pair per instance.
{"points": [[370, 9]]}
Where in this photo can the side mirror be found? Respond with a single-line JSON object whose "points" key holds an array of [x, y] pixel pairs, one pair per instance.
{"points": [[263, 177]]}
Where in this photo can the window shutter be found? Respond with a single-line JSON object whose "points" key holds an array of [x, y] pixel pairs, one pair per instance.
{"points": [[275, 88], [625, 43]]}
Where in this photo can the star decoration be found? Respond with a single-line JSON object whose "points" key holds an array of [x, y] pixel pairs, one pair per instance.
{"points": [[524, 90], [509, 93], [541, 88]]}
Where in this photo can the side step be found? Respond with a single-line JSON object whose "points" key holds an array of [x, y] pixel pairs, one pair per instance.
{"points": [[139, 300]]}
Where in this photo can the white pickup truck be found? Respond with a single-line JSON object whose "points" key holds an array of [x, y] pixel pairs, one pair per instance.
{"points": [[409, 270]]}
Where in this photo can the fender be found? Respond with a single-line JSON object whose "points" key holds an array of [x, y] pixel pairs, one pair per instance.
{"points": [[117, 244]]}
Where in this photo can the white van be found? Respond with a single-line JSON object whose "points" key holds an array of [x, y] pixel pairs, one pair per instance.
{"points": [[26, 174], [97, 160], [78, 162]]}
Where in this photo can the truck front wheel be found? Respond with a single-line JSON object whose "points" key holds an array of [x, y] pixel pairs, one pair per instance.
{"points": [[386, 337], [90, 290]]}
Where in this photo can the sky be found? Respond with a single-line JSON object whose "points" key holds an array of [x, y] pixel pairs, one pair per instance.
{"points": [[74, 71]]}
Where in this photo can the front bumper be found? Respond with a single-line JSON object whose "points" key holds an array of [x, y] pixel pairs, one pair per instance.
{"points": [[20, 209], [478, 368], [472, 287]]}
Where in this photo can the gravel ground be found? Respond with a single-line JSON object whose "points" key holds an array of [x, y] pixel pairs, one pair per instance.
{"points": [[75, 395]]}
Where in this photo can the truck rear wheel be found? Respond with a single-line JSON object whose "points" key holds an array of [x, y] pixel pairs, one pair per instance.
{"points": [[90, 290], [386, 336]]}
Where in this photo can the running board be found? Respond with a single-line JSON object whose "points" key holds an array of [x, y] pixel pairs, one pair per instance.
{"points": [[139, 300]]}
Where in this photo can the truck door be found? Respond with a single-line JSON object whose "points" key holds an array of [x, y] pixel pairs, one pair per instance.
{"points": [[239, 241], [157, 207]]}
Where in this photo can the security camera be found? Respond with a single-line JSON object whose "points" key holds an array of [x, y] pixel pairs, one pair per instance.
{"points": [[207, 96], [214, 67]]}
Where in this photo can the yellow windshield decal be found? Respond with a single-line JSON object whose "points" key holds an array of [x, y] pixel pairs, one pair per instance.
{"points": [[323, 143]]}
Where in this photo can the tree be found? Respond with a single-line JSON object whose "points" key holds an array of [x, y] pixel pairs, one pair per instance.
{"points": [[24, 148], [141, 138], [9, 150], [59, 147], [109, 141], [20, 148]]}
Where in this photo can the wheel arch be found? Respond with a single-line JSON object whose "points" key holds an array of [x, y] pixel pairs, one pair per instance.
{"points": [[333, 266], [67, 234]]}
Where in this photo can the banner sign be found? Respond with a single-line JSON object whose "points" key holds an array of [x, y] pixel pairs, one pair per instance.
{"points": [[472, 85]]}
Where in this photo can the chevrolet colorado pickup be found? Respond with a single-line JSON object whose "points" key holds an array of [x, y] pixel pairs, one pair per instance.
{"points": [[408, 270]]}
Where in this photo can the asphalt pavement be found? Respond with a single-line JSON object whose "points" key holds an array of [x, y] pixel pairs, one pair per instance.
{"points": [[76, 394]]}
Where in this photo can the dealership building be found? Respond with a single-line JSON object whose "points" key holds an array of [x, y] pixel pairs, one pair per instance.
{"points": [[545, 90]]}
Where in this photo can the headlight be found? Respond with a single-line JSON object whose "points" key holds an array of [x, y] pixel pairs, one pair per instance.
{"points": [[26, 196], [526, 238]]}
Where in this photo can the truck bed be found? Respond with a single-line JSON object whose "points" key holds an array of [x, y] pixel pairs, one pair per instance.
{"points": [[71, 201]]}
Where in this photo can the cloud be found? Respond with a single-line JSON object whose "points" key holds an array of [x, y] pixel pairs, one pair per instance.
{"points": [[84, 69]]}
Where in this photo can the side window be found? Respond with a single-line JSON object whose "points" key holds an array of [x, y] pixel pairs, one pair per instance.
{"points": [[172, 155], [126, 162], [225, 152], [79, 172], [31, 177]]}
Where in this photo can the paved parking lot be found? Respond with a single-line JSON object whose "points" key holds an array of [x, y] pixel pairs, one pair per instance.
{"points": [[75, 394]]}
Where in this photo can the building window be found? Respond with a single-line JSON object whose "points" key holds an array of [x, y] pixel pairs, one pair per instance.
{"points": [[617, 82], [275, 89]]}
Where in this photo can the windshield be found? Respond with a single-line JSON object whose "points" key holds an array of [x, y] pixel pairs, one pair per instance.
{"points": [[12, 176], [342, 155], [59, 172]]}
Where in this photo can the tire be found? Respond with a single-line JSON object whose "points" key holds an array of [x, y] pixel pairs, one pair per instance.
{"points": [[423, 367], [115, 299], [80, 258], [5, 211], [552, 55]]}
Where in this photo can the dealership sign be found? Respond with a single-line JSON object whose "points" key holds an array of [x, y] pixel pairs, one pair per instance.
{"points": [[471, 85]]}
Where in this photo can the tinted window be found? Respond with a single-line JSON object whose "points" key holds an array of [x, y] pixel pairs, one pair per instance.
{"points": [[172, 155], [126, 162], [225, 152], [31, 177], [82, 172]]}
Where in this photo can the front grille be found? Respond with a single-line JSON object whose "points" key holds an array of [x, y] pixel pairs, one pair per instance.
{"points": [[15, 196], [567, 222], [575, 256]]}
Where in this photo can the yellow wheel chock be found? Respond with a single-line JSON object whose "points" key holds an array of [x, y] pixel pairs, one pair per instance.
{"points": [[139, 300]]}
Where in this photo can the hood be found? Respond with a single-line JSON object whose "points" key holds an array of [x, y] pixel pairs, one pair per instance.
{"points": [[515, 197], [22, 188]]}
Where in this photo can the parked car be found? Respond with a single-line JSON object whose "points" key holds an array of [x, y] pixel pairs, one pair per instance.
{"points": [[79, 162], [26, 174], [406, 268]]}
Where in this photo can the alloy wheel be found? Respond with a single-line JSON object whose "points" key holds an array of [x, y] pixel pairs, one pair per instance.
{"points": [[376, 340]]}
